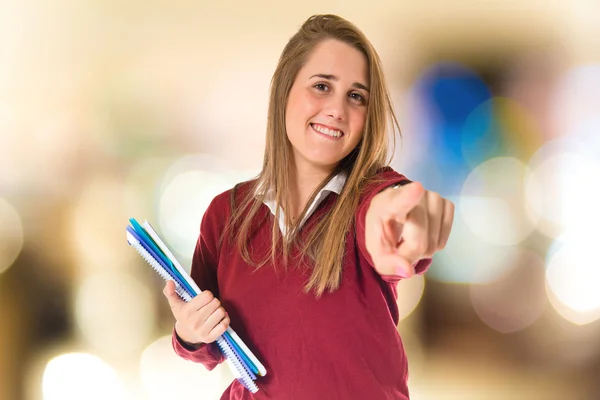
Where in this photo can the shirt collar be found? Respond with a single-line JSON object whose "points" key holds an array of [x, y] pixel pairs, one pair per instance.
{"points": [[335, 185]]}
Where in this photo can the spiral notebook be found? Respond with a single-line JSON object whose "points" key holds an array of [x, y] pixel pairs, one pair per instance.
{"points": [[244, 366]]}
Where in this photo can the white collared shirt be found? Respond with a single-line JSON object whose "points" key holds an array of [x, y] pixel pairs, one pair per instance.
{"points": [[335, 185]]}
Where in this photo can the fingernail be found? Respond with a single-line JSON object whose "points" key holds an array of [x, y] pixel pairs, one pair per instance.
{"points": [[404, 273]]}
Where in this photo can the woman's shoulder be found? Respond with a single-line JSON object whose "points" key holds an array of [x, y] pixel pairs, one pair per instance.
{"points": [[387, 173], [381, 179], [385, 176], [235, 195]]}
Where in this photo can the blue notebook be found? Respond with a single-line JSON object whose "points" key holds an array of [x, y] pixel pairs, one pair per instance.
{"points": [[244, 366]]}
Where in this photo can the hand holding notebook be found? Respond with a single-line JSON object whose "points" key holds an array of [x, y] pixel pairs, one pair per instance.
{"points": [[201, 320], [243, 364]]}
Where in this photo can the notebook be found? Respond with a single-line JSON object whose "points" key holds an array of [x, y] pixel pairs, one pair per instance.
{"points": [[244, 365]]}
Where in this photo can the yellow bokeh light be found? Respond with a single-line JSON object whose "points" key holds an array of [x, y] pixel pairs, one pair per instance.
{"points": [[11, 234], [573, 281], [97, 226], [76, 376], [165, 375], [115, 313], [187, 189], [493, 201], [410, 292]]}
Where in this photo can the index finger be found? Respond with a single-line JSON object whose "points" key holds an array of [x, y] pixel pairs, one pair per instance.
{"points": [[404, 199]]}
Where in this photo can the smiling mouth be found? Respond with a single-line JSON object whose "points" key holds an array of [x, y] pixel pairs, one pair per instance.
{"points": [[333, 133]]}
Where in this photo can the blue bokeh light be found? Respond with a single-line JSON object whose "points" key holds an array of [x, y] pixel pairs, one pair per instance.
{"points": [[449, 93]]}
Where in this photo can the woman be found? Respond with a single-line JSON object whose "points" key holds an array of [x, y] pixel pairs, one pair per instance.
{"points": [[306, 258]]}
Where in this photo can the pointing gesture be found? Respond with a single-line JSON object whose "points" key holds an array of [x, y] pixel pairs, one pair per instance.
{"points": [[405, 224]]}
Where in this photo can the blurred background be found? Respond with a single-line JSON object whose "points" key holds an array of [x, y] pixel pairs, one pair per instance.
{"points": [[147, 109]]}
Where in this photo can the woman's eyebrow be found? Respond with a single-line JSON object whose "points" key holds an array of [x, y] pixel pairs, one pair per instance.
{"points": [[331, 77]]}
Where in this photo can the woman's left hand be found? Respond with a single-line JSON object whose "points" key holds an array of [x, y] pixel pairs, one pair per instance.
{"points": [[404, 225]]}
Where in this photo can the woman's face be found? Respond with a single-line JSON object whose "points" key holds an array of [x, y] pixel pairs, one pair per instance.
{"points": [[327, 106]]}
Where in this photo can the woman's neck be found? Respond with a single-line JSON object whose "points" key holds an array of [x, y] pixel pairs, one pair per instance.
{"points": [[302, 186]]}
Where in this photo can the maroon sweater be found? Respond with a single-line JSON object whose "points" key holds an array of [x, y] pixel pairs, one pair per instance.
{"points": [[344, 345]]}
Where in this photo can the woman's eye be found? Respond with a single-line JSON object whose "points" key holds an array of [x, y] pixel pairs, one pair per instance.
{"points": [[358, 97], [321, 87]]}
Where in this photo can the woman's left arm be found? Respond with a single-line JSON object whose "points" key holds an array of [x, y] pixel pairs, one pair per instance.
{"points": [[404, 225]]}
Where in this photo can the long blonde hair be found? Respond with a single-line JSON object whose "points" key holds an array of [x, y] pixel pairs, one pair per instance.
{"points": [[325, 244]]}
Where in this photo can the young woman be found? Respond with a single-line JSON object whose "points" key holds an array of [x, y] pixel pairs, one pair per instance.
{"points": [[305, 259]]}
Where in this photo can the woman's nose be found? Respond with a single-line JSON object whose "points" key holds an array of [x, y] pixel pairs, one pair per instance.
{"points": [[335, 107]]}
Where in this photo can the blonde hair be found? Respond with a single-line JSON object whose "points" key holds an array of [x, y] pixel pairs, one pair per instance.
{"points": [[326, 243]]}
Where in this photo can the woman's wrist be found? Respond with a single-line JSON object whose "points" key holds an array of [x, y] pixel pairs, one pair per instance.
{"points": [[186, 343]]}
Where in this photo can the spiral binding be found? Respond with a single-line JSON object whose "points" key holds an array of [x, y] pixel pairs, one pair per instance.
{"points": [[245, 377], [156, 267]]}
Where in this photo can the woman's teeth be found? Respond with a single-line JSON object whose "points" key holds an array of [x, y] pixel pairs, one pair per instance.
{"points": [[326, 131]]}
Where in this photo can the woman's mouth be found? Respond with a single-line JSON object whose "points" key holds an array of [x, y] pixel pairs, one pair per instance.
{"points": [[327, 131]]}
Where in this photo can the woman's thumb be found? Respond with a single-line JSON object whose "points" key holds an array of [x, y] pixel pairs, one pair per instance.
{"points": [[171, 294]]}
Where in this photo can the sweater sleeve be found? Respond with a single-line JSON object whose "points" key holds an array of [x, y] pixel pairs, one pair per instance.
{"points": [[204, 273], [388, 177]]}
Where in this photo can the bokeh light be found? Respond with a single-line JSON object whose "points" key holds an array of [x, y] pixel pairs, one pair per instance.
{"points": [[530, 81], [412, 148], [576, 102], [97, 226], [499, 126], [468, 258], [415, 346], [9, 141], [589, 133], [188, 187], [410, 292], [115, 313], [165, 375], [572, 280], [11, 234], [75, 376], [453, 90], [493, 201], [561, 192], [481, 135], [140, 186], [447, 93], [516, 299]]}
